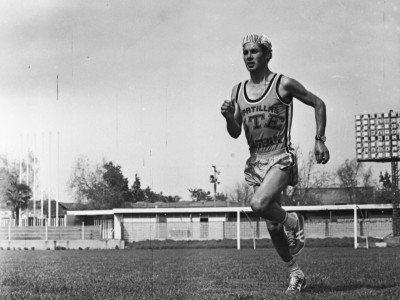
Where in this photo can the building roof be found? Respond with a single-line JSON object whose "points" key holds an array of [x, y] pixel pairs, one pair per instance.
{"points": [[178, 204], [198, 209]]}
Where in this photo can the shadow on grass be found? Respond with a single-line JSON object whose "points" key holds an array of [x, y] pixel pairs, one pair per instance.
{"points": [[232, 243], [323, 288]]}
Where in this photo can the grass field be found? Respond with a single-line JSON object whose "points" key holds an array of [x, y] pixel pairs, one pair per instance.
{"points": [[332, 273]]}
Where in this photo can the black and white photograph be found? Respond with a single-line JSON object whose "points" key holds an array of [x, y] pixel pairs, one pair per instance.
{"points": [[196, 150]]}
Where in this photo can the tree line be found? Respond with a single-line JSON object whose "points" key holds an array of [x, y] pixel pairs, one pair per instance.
{"points": [[13, 192], [353, 177], [104, 186]]}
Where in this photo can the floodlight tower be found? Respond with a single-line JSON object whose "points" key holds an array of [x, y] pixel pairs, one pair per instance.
{"points": [[378, 140], [214, 180], [396, 201]]}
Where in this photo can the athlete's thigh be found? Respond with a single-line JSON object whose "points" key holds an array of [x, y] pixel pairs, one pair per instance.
{"points": [[275, 181]]}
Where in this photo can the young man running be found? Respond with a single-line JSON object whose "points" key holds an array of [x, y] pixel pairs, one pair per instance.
{"points": [[263, 106]]}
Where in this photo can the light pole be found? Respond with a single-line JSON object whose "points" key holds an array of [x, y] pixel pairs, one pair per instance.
{"points": [[214, 180], [19, 209]]}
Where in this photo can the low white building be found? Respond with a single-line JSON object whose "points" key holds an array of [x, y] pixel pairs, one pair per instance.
{"points": [[218, 223]]}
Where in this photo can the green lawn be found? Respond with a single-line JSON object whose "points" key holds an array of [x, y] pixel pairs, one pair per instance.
{"points": [[332, 273]]}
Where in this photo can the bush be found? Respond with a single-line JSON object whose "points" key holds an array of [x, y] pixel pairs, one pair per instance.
{"points": [[60, 248]]}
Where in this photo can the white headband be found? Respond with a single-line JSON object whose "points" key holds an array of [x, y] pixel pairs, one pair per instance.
{"points": [[258, 39]]}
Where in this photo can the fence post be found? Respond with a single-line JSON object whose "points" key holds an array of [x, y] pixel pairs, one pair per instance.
{"points": [[223, 230], [9, 229], [355, 227], [238, 229], [83, 231], [46, 230], [327, 227]]}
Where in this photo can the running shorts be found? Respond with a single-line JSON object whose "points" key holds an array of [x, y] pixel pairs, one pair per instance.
{"points": [[259, 164]]}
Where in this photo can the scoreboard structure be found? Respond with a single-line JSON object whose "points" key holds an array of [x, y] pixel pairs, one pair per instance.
{"points": [[378, 137], [378, 140]]}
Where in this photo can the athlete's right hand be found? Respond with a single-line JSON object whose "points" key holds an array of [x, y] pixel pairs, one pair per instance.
{"points": [[228, 109]]}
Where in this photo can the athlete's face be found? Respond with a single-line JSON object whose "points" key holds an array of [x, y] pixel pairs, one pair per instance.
{"points": [[254, 57]]}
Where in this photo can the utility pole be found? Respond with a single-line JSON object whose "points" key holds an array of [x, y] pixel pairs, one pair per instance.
{"points": [[214, 180]]}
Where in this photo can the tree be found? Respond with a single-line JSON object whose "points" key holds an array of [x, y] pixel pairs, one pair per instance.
{"points": [[99, 187], [241, 193], [104, 186], [352, 174], [347, 174], [15, 195], [170, 199], [310, 176], [221, 197], [299, 193], [82, 179], [385, 181], [18, 196], [385, 193], [199, 194], [152, 197], [148, 195], [10, 171], [366, 178], [137, 192], [116, 181], [5, 178]]}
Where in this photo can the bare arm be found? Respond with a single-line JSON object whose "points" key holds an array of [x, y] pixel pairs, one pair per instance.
{"points": [[231, 113], [291, 88]]}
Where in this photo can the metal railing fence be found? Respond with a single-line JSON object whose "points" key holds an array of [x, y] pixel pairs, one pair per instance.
{"points": [[340, 228], [51, 233]]}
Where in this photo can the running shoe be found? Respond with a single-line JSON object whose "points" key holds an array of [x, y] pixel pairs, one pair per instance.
{"points": [[296, 285]]}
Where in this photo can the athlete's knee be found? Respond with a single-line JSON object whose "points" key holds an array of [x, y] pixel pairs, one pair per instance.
{"points": [[260, 204], [257, 206]]}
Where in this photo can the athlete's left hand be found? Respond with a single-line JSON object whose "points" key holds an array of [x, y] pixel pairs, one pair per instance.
{"points": [[321, 152]]}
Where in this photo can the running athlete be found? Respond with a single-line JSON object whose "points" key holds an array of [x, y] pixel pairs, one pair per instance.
{"points": [[263, 106]]}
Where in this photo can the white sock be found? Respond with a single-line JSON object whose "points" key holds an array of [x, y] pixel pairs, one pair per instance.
{"points": [[290, 221], [294, 269]]}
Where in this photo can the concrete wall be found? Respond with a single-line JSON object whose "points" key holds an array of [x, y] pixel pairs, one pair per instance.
{"points": [[68, 244]]}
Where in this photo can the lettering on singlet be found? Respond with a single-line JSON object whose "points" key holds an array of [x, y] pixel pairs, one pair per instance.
{"points": [[266, 121], [271, 109]]}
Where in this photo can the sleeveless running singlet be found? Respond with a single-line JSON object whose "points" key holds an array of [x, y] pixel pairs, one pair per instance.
{"points": [[267, 120]]}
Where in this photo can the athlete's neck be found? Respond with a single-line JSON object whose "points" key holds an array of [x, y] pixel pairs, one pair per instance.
{"points": [[257, 77]]}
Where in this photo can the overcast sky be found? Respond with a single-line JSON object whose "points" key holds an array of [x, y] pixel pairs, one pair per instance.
{"points": [[141, 82]]}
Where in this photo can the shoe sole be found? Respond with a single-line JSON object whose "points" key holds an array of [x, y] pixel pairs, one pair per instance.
{"points": [[303, 286]]}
